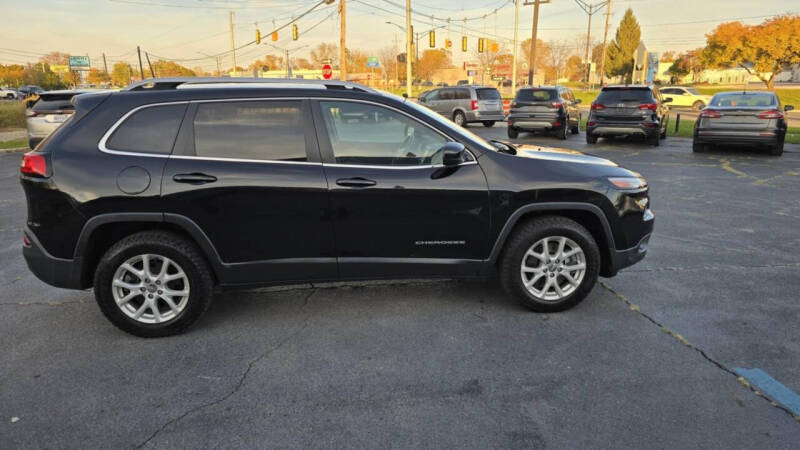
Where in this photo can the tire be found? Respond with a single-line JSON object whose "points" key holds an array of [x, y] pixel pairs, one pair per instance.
{"points": [[777, 149], [10, 96], [530, 236], [698, 148], [655, 140], [460, 119], [663, 134], [488, 123], [513, 133], [590, 138], [698, 105], [577, 128], [561, 133], [185, 262]]}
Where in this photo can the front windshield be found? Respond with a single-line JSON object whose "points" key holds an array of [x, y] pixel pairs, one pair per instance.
{"points": [[440, 119]]}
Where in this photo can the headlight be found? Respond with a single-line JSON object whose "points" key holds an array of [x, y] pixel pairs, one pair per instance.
{"points": [[628, 182]]}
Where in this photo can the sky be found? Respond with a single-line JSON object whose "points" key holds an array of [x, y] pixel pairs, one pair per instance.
{"points": [[182, 30]]}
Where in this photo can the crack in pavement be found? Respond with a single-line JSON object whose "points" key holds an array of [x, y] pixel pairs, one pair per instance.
{"points": [[241, 381], [635, 308], [714, 267]]}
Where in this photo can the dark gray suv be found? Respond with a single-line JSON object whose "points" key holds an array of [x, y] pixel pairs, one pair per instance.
{"points": [[542, 108], [466, 104], [628, 111]]}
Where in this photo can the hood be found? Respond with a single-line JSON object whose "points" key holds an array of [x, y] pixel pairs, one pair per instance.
{"points": [[561, 154]]}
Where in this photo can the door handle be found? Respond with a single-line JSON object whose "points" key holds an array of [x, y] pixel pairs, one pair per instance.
{"points": [[194, 178], [357, 182]]}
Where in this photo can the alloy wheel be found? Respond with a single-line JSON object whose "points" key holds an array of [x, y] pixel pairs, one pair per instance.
{"points": [[553, 268], [150, 288]]}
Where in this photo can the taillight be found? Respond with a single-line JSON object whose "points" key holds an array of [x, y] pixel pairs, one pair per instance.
{"points": [[474, 105], [598, 106], [514, 104], [650, 106], [591, 123], [771, 114], [33, 164], [556, 105], [709, 114]]}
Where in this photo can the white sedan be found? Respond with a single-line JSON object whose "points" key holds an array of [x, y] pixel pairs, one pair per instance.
{"points": [[685, 97]]}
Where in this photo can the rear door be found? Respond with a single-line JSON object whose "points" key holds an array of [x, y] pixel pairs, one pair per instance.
{"points": [[398, 211], [489, 101], [248, 174], [536, 102]]}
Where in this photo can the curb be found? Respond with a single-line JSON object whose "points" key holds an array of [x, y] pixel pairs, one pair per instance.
{"points": [[14, 150]]}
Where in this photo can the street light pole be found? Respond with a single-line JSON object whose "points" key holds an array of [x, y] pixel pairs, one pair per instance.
{"points": [[605, 38], [590, 10]]}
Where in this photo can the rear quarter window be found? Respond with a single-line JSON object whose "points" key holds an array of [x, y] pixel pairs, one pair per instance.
{"points": [[149, 130]]}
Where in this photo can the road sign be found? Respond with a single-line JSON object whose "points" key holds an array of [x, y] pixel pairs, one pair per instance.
{"points": [[79, 63], [372, 61], [327, 71]]}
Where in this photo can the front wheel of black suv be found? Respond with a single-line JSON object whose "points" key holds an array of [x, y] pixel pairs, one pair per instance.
{"points": [[577, 128], [153, 284], [513, 133], [488, 123], [550, 264]]}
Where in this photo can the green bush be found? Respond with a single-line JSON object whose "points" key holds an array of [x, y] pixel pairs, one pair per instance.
{"points": [[12, 114]]}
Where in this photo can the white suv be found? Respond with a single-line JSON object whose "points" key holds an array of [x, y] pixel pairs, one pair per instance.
{"points": [[685, 97]]}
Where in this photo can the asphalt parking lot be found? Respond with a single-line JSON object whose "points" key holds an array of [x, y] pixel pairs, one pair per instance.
{"points": [[647, 360]]}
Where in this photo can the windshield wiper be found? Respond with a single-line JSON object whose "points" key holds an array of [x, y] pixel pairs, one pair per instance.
{"points": [[510, 148]]}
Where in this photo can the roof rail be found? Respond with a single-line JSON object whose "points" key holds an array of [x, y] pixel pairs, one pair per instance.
{"points": [[157, 84]]}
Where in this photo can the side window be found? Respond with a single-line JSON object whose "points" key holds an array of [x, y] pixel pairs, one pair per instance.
{"points": [[373, 135], [432, 95], [149, 130], [260, 130], [462, 94], [447, 94]]}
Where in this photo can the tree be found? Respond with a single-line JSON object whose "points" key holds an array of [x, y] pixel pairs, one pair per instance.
{"points": [[575, 69], [121, 74], [388, 60], [171, 69], [668, 56], [356, 60], [57, 58], [431, 61], [619, 55], [763, 50], [557, 61], [325, 51], [686, 63], [302, 63], [542, 53], [97, 76], [271, 62]]}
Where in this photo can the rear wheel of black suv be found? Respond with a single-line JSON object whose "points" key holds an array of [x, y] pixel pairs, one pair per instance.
{"points": [[561, 133], [590, 139], [513, 133], [153, 284], [550, 264], [488, 123], [777, 149]]}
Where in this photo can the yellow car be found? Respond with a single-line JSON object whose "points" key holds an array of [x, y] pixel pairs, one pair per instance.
{"points": [[683, 97]]}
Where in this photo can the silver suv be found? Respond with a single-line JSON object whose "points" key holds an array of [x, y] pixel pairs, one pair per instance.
{"points": [[466, 104]]}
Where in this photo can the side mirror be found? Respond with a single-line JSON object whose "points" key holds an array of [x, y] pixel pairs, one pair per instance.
{"points": [[788, 108], [452, 153], [577, 101], [668, 100]]}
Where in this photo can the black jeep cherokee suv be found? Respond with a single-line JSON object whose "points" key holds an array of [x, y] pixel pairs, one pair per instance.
{"points": [[159, 193]]}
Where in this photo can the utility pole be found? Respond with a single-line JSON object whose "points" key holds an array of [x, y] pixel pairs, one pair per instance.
{"points": [[105, 66], [396, 65], [590, 10], [605, 38], [534, 30], [233, 41], [343, 42], [514, 58], [408, 48], [152, 73], [141, 69]]}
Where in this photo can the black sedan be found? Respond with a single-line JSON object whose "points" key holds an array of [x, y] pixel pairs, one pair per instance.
{"points": [[754, 118]]}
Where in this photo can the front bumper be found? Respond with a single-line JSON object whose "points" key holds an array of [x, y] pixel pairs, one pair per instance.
{"points": [[58, 272], [621, 259]]}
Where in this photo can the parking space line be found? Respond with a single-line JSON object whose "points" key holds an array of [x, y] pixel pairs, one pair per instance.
{"points": [[771, 387]]}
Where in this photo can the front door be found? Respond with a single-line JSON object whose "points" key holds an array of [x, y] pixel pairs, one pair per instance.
{"points": [[248, 174], [398, 212]]}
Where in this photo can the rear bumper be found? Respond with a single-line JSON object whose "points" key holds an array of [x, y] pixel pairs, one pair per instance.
{"points": [[58, 272], [706, 136], [538, 122], [623, 129], [478, 116]]}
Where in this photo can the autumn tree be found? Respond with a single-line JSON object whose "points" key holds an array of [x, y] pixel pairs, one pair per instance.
{"points": [[575, 69], [271, 62], [356, 60], [542, 53], [302, 63], [57, 58], [388, 60], [763, 50], [619, 55], [431, 61], [686, 63], [668, 56], [121, 74], [557, 61], [97, 76], [325, 51], [171, 69]]}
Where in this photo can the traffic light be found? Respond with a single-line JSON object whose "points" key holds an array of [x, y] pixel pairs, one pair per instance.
{"points": [[495, 47], [481, 45], [295, 34], [274, 36], [448, 43], [432, 39], [464, 44], [258, 36]]}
